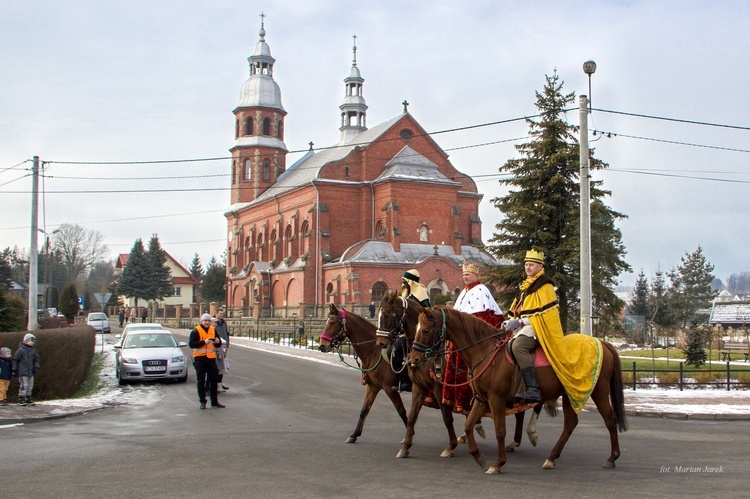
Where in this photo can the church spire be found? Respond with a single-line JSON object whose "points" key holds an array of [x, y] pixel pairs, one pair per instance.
{"points": [[353, 108]]}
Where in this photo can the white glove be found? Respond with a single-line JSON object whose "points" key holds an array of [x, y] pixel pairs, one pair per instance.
{"points": [[511, 325]]}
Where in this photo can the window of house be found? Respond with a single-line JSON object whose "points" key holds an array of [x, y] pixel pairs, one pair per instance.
{"points": [[176, 291]]}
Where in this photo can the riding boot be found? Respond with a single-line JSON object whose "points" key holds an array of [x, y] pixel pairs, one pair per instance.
{"points": [[532, 393], [404, 383]]}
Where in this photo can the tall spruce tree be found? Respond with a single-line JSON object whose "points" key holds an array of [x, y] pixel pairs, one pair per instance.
{"points": [[212, 285], [196, 267], [160, 275], [542, 210], [134, 274], [691, 287], [658, 300], [68, 304], [639, 304]]}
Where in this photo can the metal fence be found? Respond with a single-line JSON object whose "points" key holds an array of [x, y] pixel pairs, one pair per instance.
{"points": [[728, 378]]}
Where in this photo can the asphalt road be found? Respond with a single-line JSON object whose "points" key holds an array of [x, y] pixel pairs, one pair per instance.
{"points": [[283, 431]]}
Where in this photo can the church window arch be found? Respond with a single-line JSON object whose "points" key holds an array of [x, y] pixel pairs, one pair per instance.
{"points": [[378, 291], [248, 169], [380, 230], [280, 130], [249, 126], [266, 170], [266, 126]]}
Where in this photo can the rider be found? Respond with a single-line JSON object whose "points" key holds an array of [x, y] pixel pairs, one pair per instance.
{"points": [[535, 297], [475, 299], [411, 289]]}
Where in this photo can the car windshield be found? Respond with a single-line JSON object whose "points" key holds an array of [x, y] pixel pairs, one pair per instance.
{"points": [[149, 341], [97, 317]]}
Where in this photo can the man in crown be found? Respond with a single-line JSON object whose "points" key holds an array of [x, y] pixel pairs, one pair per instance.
{"points": [[475, 299]]}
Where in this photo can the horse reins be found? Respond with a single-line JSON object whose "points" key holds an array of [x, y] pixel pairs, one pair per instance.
{"points": [[337, 343]]}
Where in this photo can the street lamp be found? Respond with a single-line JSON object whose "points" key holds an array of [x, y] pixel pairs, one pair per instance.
{"points": [[595, 322], [589, 67]]}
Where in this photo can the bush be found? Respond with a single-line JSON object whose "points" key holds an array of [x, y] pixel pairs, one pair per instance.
{"points": [[65, 357], [12, 312]]}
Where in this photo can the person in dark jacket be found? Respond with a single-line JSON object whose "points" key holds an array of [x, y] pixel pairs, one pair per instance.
{"points": [[6, 366], [222, 331], [204, 342], [25, 366]]}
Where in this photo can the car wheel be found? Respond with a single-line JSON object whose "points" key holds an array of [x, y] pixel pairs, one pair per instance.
{"points": [[120, 381], [183, 379]]}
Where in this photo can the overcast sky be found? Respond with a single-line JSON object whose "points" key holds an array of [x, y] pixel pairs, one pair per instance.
{"points": [[105, 81]]}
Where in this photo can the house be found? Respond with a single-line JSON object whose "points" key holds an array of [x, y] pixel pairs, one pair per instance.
{"points": [[342, 224], [184, 290]]}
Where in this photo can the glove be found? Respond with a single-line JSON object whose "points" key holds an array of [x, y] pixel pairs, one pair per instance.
{"points": [[14, 374], [36, 370], [511, 325]]}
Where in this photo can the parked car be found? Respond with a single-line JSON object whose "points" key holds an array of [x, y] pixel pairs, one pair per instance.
{"points": [[138, 326], [150, 354], [99, 321]]}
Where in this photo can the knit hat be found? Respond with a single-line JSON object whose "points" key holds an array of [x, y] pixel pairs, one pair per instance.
{"points": [[5, 352], [205, 317], [28, 337]]}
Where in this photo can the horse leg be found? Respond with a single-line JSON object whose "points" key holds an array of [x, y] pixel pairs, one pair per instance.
{"points": [[531, 429], [517, 433], [497, 407], [370, 393], [417, 399], [448, 421], [570, 421], [476, 413]]}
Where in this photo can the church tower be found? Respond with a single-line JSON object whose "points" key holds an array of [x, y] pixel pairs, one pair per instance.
{"points": [[259, 152], [353, 109]]}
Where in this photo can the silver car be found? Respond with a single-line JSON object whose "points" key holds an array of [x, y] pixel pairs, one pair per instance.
{"points": [[99, 321], [150, 354]]}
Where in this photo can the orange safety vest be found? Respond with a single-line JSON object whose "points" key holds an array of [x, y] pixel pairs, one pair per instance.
{"points": [[206, 350]]}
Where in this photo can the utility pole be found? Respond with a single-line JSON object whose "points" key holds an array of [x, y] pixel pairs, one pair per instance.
{"points": [[583, 112], [33, 256]]}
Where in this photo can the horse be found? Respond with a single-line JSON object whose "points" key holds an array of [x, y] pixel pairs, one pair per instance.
{"points": [[376, 374], [398, 316], [483, 348]]}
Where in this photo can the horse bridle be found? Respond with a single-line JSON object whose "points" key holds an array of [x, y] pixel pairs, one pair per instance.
{"points": [[336, 342], [398, 329], [430, 352]]}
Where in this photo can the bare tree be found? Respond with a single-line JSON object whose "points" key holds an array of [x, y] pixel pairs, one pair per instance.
{"points": [[79, 249]]}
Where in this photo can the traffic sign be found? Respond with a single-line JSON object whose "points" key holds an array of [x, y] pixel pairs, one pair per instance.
{"points": [[102, 298]]}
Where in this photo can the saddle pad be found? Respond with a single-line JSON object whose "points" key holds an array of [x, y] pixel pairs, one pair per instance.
{"points": [[540, 358]]}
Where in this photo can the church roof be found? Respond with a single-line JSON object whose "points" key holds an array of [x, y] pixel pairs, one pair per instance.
{"points": [[380, 252], [408, 164]]}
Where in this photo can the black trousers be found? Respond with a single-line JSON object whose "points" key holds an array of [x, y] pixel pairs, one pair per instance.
{"points": [[208, 375]]}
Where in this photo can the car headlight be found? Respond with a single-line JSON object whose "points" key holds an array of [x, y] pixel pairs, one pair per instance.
{"points": [[178, 360], [129, 360]]}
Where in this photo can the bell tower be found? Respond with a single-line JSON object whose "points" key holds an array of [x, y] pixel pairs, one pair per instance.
{"points": [[259, 152], [353, 108]]}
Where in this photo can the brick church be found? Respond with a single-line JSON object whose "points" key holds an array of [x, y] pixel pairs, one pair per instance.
{"points": [[342, 224]]}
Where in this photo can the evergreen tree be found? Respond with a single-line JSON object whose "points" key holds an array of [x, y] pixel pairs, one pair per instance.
{"points": [[695, 351], [542, 211], [6, 269], [53, 296], [196, 267], [159, 274], [691, 287], [87, 301], [212, 285], [639, 305], [68, 304], [134, 279], [12, 312], [658, 305]]}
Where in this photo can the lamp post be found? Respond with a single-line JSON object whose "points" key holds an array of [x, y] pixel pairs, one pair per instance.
{"points": [[595, 322], [585, 195]]}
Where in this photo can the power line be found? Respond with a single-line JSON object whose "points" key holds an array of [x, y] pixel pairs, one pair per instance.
{"points": [[674, 120], [665, 141]]}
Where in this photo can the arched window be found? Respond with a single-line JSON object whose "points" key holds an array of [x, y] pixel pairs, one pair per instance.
{"points": [[380, 230], [266, 126], [249, 126], [289, 241], [259, 247], [378, 291], [248, 169], [236, 129], [304, 239], [266, 170], [274, 245], [249, 249], [280, 130]]}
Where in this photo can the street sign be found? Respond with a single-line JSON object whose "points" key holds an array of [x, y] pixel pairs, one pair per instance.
{"points": [[102, 298]]}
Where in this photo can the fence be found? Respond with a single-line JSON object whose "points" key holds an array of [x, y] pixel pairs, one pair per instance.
{"points": [[731, 377]]}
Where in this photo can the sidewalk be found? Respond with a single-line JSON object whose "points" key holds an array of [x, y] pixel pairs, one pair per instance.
{"points": [[710, 405]]}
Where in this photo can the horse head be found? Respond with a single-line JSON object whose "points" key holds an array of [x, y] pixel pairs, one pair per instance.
{"points": [[334, 331], [390, 319], [427, 340]]}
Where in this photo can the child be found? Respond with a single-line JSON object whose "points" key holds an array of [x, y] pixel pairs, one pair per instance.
{"points": [[6, 366], [25, 366]]}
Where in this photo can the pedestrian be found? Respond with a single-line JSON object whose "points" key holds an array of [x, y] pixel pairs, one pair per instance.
{"points": [[222, 331], [371, 308], [144, 314], [133, 313], [25, 366], [6, 367], [203, 341], [121, 316]]}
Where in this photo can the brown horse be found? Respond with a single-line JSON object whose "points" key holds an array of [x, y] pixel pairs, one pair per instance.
{"points": [[398, 316], [493, 381], [376, 374]]}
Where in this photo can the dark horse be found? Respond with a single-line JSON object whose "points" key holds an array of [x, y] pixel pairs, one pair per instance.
{"points": [[398, 316], [376, 373], [492, 373]]}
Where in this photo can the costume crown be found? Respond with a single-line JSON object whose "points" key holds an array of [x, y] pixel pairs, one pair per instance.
{"points": [[534, 256], [470, 268]]}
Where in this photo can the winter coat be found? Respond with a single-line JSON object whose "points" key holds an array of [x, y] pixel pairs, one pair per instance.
{"points": [[25, 360], [5, 367]]}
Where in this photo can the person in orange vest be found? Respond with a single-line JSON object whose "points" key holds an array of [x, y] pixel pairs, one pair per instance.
{"points": [[204, 341]]}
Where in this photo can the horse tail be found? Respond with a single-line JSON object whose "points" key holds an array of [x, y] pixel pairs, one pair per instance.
{"points": [[551, 407], [616, 395]]}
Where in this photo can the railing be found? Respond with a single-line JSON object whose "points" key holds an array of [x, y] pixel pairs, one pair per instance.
{"points": [[731, 377]]}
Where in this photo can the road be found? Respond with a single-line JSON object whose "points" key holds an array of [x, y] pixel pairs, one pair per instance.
{"points": [[282, 435]]}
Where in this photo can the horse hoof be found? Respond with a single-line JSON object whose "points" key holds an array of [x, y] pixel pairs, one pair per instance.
{"points": [[534, 441], [548, 465], [608, 466], [512, 446], [462, 439], [447, 453], [351, 440], [402, 454], [492, 471]]}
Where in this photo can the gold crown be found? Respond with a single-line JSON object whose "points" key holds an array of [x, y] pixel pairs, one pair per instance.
{"points": [[534, 256], [470, 268]]}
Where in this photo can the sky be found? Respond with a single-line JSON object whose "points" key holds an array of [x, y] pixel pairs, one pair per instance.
{"points": [[141, 81]]}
